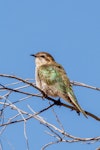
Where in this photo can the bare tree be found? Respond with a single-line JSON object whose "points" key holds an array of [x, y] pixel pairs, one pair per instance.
{"points": [[19, 86]]}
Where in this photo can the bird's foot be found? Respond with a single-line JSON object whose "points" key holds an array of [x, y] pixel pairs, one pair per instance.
{"points": [[78, 113], [43, 95], [58, 102]]}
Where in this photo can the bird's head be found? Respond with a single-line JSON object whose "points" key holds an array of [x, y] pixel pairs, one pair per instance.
{"points": [[43, 58]]}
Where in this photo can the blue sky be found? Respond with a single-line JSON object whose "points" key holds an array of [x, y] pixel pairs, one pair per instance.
{"points": [[70, 31]]}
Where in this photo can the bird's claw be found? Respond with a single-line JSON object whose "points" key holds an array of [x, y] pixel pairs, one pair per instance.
{"points": [[43, 95], [78, 113], [58, 102]]}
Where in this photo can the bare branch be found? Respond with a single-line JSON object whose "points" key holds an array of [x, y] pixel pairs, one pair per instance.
{"points": [[59, 134], [84, 85]]}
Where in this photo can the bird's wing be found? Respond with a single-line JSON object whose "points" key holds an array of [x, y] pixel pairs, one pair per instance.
{"points": [[55, 75]]}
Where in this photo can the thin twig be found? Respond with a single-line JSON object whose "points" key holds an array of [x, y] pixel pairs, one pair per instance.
{"points": [[25, 135], [47, 124], [49, 144], [58, 133], [84, 85]]}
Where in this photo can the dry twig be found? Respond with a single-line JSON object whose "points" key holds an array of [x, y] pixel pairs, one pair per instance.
{"points": [[59, 134]]}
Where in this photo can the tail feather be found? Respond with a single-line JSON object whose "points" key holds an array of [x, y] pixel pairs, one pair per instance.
{"points": [[75, 103]]}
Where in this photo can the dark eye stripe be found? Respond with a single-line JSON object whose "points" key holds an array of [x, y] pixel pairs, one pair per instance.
{"points": [[43, 56]]}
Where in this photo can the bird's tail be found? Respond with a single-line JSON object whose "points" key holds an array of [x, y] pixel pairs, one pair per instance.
{"points": [[74, 102]]}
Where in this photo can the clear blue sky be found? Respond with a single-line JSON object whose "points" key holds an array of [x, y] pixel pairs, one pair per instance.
{"points": [[70, 31]]}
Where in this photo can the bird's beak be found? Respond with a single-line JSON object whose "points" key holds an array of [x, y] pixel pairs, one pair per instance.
{"points": [[33, 55]]}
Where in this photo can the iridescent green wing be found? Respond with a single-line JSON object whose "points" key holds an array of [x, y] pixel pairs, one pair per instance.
{"points": [[53, 75]]}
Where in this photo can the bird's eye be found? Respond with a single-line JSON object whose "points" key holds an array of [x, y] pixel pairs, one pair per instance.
{"points": [[43, 56]]}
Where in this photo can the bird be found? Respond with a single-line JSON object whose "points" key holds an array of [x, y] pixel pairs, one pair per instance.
{"points": [[52, 79]]}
